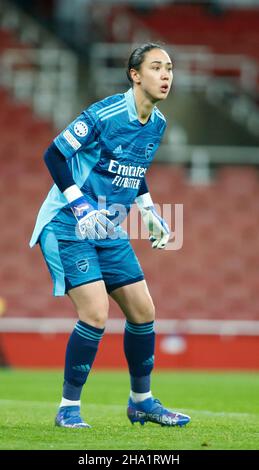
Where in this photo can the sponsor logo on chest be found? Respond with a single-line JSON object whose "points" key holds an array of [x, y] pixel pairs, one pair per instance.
{"points": [[127, 176]]}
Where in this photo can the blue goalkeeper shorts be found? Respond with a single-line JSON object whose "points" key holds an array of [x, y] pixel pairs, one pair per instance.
{"points": [[74, 263]]}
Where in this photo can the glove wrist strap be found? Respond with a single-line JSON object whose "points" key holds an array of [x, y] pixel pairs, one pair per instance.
{"points": [[144, 201], [81, 207]]}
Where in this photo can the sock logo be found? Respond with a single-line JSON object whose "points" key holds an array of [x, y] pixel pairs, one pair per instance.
{"points": [[149, 361], [82, 368]]}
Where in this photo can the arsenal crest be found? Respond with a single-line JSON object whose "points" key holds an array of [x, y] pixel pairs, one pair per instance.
{"points": [[149, 149]]}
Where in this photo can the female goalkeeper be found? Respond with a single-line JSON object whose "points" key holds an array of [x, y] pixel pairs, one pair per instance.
{"points": [[98, 164]]}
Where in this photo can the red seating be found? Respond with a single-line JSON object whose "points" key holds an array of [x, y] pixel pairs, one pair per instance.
{"points": [[233, 31], [214, 275]]}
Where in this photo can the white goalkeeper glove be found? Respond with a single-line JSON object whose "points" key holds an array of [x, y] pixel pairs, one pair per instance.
{"points": [[92, 223], [159, 232]]}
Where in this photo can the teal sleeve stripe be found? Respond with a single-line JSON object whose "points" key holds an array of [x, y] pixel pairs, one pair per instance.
{"points": [[64, 148]]}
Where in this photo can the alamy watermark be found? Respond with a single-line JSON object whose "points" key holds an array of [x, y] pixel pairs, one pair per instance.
{"points": [[132, 223]]}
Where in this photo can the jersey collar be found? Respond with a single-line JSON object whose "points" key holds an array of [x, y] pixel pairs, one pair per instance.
{"points": [[131, 105]]}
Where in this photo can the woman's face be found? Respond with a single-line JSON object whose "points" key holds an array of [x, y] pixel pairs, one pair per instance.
{"points": [[155, 75]]}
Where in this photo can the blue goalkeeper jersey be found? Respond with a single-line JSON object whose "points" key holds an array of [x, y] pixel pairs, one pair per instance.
{"points": [[108, 152]]}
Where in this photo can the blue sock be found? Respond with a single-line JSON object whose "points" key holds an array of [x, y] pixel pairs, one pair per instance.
{"points": [[139, 347], [80, 354]]}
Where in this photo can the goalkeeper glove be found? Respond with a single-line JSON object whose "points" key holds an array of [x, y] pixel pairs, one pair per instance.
{"points": [[91, 222], [159, 232]]}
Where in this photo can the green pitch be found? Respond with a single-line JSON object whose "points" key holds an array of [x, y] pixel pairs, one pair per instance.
{"points": [[224, 408]]}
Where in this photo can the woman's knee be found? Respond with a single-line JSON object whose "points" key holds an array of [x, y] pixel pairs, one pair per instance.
{"points": [[145, 312], [94, 316], [135, 302], [150, 310], [91, 303]]}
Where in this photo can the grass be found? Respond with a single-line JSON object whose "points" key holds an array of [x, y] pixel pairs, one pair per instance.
{"points": [[224, 408]]}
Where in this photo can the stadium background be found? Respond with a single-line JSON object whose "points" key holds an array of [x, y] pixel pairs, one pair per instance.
{"points": [[57, 57]]}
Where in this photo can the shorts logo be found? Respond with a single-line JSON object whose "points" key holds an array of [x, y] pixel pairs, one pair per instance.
{"points": [[80, 129], [82, 265], [148, 150]]}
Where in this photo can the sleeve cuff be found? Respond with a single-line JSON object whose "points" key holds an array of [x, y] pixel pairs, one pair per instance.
{"points": [[72, 193]]}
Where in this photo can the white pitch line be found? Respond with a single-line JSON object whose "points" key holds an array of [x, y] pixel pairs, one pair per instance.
{"points": [[51, 403], [27, 402], [46, 325], [231, 414], [122, 407]]}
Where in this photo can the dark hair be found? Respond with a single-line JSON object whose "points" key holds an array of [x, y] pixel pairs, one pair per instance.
{"points": [[137, 57]]}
